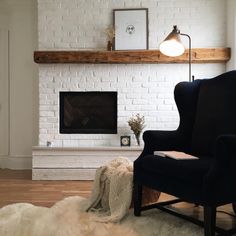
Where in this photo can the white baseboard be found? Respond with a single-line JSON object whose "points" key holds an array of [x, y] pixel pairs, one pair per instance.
{"points": [[16, 162]]}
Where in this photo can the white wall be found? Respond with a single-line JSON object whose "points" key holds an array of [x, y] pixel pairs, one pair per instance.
{"points": [[144, 89], [4, 92], [20, 19], [231, 32]]}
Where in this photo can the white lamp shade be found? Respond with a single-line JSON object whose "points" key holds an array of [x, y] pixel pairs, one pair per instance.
{"points": [[172, 48]]}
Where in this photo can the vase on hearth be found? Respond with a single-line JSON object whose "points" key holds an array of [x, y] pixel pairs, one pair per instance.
{"points": [[137, 136], [136, 124]]}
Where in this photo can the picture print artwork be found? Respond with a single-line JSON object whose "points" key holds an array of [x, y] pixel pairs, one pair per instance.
{"points": [[131, 29]]}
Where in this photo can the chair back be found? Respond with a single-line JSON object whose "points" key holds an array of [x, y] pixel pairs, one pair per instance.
{"points": [[215, 112]]}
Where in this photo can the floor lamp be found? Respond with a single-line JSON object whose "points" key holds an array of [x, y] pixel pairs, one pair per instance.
{"points": [[173, 47]]}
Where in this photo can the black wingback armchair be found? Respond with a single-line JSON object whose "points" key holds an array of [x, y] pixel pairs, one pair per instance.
{"points": [[207, 129]]}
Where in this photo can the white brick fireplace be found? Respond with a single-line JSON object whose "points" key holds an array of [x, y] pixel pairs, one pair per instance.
{"points": [[142, 88]]}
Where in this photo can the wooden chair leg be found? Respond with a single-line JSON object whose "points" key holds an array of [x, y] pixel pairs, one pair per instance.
{"points": [[209, 221], [137, 199]]}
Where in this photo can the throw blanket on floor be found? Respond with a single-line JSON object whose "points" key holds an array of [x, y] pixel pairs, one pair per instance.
{"points": [[112, 191]]}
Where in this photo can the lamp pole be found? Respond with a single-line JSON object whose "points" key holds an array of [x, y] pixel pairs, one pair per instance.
{"points": [[189, 56]]}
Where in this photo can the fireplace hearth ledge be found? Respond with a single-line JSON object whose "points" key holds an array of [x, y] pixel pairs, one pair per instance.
{"points": [[75, 163]]}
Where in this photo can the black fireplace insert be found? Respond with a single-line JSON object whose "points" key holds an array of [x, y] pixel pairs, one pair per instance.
{"points": [[88, 112]]}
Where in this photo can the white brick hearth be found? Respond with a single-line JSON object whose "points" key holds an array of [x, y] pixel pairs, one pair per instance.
{"points": [[75, 163], [145, 89]]}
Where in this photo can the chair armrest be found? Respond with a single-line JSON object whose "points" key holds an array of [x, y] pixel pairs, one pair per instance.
{"points": [[225, 150], [223, 169], [155, 140], [225, 156]]}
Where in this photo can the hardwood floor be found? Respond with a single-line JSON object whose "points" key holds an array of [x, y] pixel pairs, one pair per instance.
{"points": [[17, 186]]}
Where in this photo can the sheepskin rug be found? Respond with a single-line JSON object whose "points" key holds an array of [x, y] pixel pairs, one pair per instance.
{"points": [[67, 218]]}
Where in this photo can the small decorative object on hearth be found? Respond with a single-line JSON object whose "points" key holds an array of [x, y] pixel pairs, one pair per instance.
{"points": [[110, 33], [124, 141], [49, 144], [137, 125]]}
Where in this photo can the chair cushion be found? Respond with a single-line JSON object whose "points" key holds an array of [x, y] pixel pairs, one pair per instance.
{"points": [[216, 113], [188, 171]]}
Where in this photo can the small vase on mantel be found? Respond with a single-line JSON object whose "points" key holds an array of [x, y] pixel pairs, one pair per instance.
{"points": [[109, 45]]}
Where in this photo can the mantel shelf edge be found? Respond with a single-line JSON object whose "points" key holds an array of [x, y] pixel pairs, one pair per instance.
{"points": [[199, 55]]}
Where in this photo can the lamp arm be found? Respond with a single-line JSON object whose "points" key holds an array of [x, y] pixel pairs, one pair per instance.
{"points": [[190, 55]]}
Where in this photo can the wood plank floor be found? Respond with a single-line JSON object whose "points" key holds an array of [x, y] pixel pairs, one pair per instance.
{"points": [[17, 186]]}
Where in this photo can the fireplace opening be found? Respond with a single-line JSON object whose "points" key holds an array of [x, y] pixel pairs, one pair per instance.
{"points": [[88, 112]]}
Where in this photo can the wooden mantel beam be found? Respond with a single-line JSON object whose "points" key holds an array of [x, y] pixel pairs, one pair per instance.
{"points": [[199, 55]]}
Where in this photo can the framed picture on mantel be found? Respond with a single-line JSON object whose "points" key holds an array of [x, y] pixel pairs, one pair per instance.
{"points": [[131, 28]]}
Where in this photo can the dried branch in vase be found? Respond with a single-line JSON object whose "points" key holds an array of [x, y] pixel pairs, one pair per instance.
{"points": [[110, 32], [137, 125]]}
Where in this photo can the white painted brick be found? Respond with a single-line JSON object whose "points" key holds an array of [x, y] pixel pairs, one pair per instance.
{"points": [[125, 102], [93, 89], [87, 85], [52, 119], [48, 108], [137, 78], [153, 113], [165, 95], [102, 142], [47, 125], [119, 85], [142, 88], [150, 119], [149, 85], [134, 95], [71, 86], [154, 101], [70, 143], [47, 114], [43, 131], [57, 143], [150, 96], [103, 86], [46, 90], [169, 101], [86, 143], [140, 102], [108, 79], [52, 131], [134, 85]]}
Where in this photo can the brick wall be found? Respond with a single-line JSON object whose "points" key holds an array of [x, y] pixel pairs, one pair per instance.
{"points": [[144, 89]]}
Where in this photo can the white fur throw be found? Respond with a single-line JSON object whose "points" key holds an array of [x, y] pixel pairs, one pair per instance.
{"points": [[67, 218], [112, 190]]}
